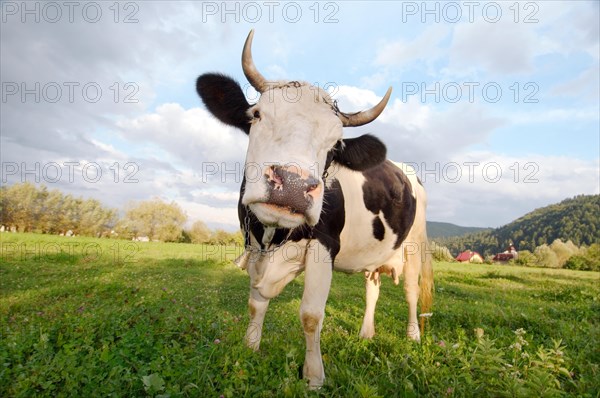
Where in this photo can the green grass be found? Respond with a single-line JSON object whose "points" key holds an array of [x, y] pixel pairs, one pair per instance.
{"points": [[91, 317]]}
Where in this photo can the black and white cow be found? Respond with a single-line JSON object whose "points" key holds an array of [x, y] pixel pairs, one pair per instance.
{"points": [[312, 201]]}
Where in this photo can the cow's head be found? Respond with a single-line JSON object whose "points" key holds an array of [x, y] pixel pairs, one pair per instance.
{"points": [[295, 132]]}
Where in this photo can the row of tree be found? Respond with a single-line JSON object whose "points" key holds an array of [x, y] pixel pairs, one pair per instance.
{"points": [[27, 208], [576, 219], [561, 254]]}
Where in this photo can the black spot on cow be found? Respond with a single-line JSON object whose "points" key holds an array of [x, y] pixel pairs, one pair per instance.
{"points": [[360, 153], [387, 189], [378, 228]]}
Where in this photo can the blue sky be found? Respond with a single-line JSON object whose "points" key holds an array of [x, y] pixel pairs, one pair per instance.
{"points": [[535, 144]]}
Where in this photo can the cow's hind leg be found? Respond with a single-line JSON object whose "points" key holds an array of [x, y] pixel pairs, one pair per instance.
{"points": [[372, 284], [312, 310]]}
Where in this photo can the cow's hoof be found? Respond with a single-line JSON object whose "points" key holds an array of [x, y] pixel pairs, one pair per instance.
{"points": [[414, 337], [367, 334], [314, 384], [252, 344], [413, 332]]}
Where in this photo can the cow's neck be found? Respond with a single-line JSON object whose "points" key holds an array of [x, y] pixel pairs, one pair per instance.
{"points": [[268, 238]]}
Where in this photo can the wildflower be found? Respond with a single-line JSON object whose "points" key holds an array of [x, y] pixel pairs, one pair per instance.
{"points": [[217, 341], [441, 343], [478, 332]]}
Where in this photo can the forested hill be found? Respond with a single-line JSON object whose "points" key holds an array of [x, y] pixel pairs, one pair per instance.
{"points": [[437, 229], [576, 219]]}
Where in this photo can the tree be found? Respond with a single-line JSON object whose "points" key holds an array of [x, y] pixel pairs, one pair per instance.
{"points": [[35, 209], [576, 219], [22, 204], [440, 253], [563, 251], [156, 219], [525, 258], [545, 257], [199, 233], [94, 219], [220, 237]]}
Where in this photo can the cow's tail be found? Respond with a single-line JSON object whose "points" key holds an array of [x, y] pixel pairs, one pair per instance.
{"points": [[426, 293]]}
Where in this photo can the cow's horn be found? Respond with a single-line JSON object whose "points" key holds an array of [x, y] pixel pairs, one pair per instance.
{"points": [[364, 117], [252, 74]]}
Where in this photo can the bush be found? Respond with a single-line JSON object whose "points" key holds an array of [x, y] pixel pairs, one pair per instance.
{"points": [[580, 263], [440, 253], [563, 251], [525, 258], [545, 257], [588, 260]]}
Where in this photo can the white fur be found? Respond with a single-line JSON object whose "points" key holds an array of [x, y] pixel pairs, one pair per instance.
{"points": [[297, 127]]}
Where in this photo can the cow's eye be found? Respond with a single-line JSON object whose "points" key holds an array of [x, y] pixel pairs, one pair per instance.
{"points": [[256, 114]]}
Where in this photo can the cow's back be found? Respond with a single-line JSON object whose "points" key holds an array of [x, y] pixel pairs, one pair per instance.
{"points": [[380, 207]]}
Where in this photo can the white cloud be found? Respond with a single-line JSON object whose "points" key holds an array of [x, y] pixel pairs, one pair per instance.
{"points": [[503, 47], [424, 48], [225, 217], [509, 47], [192, 136], [556, 115], [493, 189], [582, 87], [416, 131], [276, 72]]}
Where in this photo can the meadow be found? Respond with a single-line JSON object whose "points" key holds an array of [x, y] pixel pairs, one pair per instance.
{"points": [[99, 317]]}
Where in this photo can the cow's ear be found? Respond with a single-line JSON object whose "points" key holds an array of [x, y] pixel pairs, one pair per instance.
{"points": [[360, 153], [224, 98]]}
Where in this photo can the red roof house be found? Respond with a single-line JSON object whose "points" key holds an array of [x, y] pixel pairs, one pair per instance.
{"points": [[470, 257]]}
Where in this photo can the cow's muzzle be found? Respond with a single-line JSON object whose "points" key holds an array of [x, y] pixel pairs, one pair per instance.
{"points": [[291, 187], [291, 194]]}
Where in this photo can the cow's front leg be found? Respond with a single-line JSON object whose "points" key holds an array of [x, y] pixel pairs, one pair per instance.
{"points": [[312, 310], [269, 274], [257, 306], [372, 283]]}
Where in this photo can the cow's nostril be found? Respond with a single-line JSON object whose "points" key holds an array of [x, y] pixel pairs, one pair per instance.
{"points": [[274, 177], [311, 184]]}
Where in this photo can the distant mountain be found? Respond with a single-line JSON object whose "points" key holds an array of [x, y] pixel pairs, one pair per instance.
{"points": [[445, 230], [576, 219]]}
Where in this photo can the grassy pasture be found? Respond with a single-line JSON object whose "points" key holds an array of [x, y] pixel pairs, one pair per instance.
{"points": [[93, 317]]}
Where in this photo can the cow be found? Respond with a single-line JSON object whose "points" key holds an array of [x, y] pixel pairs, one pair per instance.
{"points": [[312, 201]]}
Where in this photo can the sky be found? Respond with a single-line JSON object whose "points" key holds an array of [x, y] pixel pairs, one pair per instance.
{"points": [[495, 104]]}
